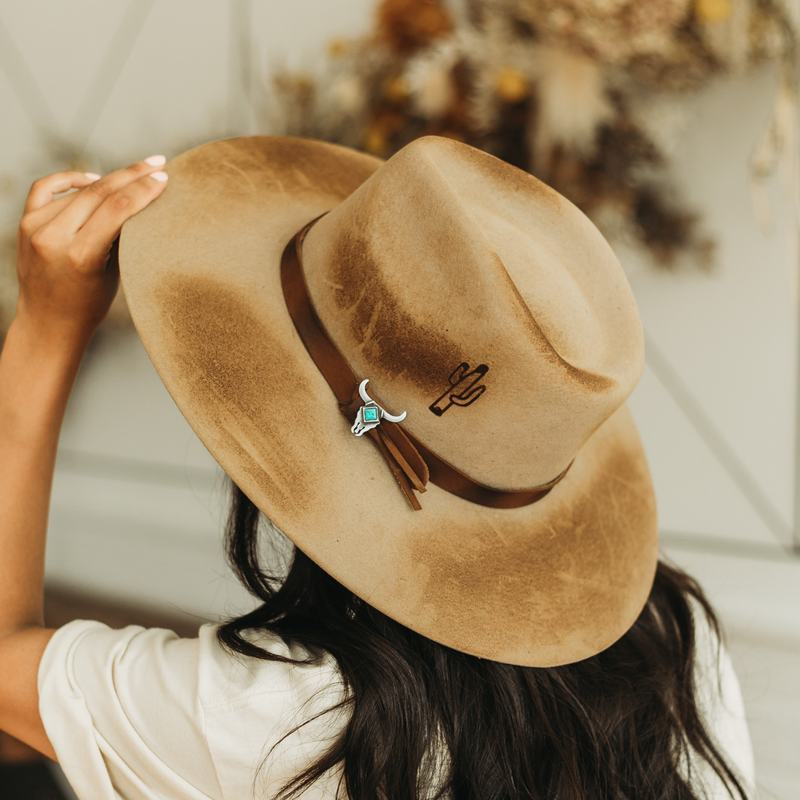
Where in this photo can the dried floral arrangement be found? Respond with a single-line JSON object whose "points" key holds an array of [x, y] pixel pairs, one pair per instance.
{"points": [[581, 93]]}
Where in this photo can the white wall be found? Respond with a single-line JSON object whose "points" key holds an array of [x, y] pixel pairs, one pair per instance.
{"points": [[730, 334], [138, 503]]}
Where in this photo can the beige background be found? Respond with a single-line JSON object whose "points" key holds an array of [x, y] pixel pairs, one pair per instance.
{"points": [[138, 502]]}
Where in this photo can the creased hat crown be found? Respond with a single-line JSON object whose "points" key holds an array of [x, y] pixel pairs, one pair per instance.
{"points": [[483, 303]]}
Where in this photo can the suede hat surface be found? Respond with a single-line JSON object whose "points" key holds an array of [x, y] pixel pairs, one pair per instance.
{"points": [[472, 297]]}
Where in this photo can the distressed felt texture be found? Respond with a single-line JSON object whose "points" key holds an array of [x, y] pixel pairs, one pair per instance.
{"points": [[441, 256]]}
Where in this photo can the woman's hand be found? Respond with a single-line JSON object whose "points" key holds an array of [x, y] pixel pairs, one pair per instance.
{"points": [[66, 282]]}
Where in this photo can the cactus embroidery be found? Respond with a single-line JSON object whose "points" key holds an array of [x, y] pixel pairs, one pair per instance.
{"points": [[463, 389]]}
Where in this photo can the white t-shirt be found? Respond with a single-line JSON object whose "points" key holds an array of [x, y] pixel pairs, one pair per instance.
{"points": [[138, 713]]}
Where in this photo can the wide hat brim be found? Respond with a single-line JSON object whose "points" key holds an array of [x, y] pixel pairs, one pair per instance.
{"points": [[551, 583]]}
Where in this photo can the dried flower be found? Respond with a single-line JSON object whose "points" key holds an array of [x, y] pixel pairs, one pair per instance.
{"points": [[407, 25], [431, 79], [572, 102], [338, 48], [375, 141], [348, 94], [436, 93], [395, 89], [712, 10], [511, 85]]}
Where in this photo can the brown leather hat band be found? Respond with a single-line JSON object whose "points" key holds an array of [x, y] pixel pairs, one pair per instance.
{"points": [[411, 462]]}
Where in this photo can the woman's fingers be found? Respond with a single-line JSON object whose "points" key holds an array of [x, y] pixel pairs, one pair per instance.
{"points": [[99, 232], [34, 220], [77, 213], [43, 190]]}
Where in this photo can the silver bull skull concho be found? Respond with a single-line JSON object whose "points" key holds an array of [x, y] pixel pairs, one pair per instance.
{"points": [[369, 416]]}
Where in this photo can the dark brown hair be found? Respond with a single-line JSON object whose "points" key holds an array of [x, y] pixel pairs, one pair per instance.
{"points": [[612, 727]]}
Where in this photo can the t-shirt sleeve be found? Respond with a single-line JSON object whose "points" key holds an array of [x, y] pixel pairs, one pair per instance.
{"points": [[122, 711], [721, 705]]}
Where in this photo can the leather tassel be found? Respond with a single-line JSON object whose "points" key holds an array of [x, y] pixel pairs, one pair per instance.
{"points": [[406, 454], [401, 470]]}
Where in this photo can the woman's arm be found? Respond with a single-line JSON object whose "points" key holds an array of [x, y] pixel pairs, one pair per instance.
{"points": [[66, 288]]}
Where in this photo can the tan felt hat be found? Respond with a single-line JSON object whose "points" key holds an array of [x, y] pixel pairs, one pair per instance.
{"points": [[475, 300]]}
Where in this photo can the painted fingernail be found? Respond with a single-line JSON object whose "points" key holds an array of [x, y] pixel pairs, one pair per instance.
{"points": [[92, 176], [156, 161], [161, 177]]}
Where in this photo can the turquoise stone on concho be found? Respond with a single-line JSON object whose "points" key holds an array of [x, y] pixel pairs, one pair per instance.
{"points": [[370, 415]]}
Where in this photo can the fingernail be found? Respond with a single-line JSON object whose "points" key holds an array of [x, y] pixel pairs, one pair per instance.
{"points": [[161, 177], [92, 176], [156, 161]]}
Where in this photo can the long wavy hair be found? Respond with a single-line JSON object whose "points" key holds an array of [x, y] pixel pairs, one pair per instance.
{"points": [[613, 727]]}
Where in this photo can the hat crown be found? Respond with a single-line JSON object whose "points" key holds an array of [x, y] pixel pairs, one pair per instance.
{"points": [[481, 302]]}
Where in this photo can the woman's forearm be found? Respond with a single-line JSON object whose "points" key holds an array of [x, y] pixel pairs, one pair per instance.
{"points": [[37, 370], [66, 285]]}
